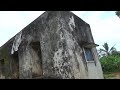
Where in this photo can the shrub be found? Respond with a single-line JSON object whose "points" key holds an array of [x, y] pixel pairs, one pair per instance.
{"points": [[110, 63]]}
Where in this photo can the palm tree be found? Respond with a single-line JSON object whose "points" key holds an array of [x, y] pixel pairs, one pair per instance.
{"points": [[107, 50], [118, 13]]}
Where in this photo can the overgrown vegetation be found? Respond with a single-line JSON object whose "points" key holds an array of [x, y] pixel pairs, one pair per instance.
{"points": [[110, 61]]}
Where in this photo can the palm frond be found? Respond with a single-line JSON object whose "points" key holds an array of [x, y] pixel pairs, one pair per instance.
{"points": [[113, 48], [106, 46]]}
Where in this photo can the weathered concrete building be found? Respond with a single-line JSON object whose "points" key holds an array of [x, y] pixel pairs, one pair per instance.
{"points": [[57, 45]]}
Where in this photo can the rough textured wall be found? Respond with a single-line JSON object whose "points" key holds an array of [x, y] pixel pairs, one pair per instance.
{"points": [[61, 39], [94, 69], [51, 47], [60, 49], [9, 63]]}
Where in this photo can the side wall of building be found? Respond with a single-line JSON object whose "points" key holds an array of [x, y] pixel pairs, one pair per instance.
{"points": [[9, 64], [52, 47]]}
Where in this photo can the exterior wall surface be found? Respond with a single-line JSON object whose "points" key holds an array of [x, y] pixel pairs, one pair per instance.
{"points": [[52, 47]]}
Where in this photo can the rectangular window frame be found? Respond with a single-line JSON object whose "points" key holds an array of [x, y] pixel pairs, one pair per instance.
{"points": [[88, 61]]}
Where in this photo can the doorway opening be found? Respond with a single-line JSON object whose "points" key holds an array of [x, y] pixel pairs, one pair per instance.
{"points": [[37, 70]]}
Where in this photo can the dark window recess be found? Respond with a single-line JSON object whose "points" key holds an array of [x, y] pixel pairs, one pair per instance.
{"points": [[2, 65], [89, 54], [2, 62], [36, 47], [15, 56], [14, 64]]}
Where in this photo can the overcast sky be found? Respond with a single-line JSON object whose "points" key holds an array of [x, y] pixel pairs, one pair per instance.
{"points": [[105, 25]]}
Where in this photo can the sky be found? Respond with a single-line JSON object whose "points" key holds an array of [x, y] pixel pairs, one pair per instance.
{"points": [[105, 25]]}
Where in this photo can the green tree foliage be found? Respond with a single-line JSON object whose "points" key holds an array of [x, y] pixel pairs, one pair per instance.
{"points": [[110, 63], [118, 13], [107, 50]]}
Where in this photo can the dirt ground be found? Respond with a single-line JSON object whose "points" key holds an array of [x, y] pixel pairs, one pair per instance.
{"points": [[115, 75]]}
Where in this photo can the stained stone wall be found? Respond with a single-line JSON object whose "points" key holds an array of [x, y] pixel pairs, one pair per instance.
{"points": [[51, 47]]}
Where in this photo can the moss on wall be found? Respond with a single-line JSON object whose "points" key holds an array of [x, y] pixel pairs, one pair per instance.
{"points": [[6, 57], [10, 65]]}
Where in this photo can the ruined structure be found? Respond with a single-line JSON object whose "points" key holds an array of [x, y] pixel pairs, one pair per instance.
{"points": [[57, 45]]}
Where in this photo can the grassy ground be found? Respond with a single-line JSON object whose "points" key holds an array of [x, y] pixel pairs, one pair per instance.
{"points": [[112, 75]]}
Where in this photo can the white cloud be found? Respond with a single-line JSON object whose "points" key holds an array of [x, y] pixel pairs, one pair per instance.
{"points": [[78, 13], [11, 22], [105, 26], [107, 30]]}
